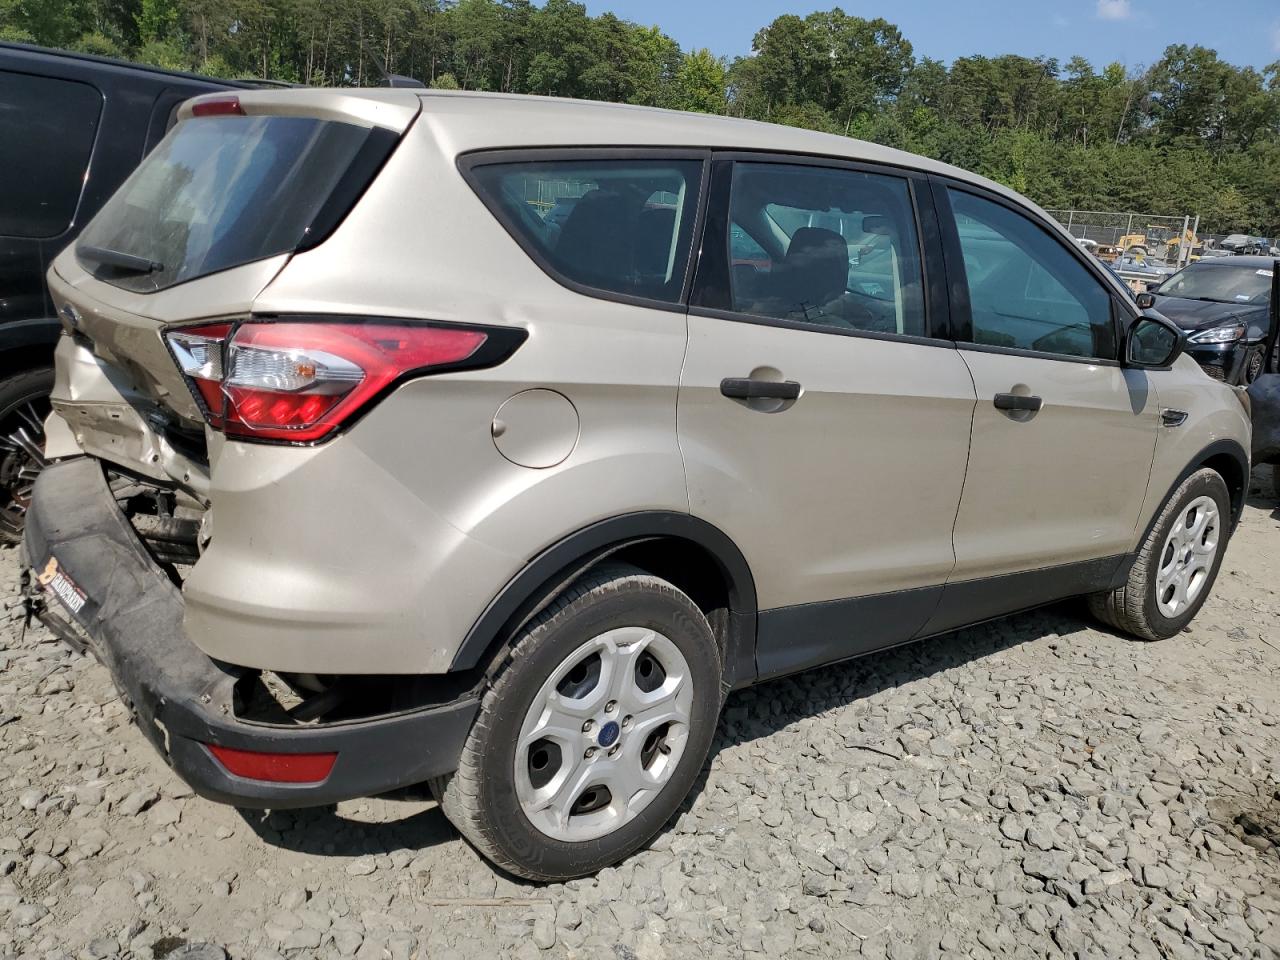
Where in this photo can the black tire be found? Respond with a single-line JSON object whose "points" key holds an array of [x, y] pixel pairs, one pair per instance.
{"points": [[480, 798], [24, 402], [1133, 608], [1253, 366]]}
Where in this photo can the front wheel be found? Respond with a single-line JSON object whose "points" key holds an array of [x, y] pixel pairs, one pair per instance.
{"points": [[1253, 366], [1176, 565], [593, 730]]}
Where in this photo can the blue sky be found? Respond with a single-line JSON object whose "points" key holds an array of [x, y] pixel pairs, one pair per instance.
{"points": [[1135, 32]]}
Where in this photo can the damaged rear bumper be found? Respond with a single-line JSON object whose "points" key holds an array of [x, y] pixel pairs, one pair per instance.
{"points": [[96, 573]]}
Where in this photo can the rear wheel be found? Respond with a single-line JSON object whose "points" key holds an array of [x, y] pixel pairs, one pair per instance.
{"points": [[593, 730], [24, 404], [1177, 564]]}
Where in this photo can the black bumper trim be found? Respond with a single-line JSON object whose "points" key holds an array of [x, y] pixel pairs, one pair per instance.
{"points": [[180, 698]]}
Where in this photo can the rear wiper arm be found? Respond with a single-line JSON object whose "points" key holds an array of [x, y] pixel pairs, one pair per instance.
{"points": [[119, 260]]}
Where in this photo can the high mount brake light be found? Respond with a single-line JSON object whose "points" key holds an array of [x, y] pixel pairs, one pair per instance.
{"points": [[225, 106], [299, 380]]}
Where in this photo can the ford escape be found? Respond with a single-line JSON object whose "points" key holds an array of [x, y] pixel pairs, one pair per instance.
{"points": [[489, 442]]}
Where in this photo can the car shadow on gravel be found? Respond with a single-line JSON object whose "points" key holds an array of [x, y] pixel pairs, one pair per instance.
{"points": [[1263, 489], [1261, 501], [769, 707], [748, 715], [838, 685], [324, 831]]}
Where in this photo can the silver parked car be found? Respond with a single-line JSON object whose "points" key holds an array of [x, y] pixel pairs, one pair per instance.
{"points": [[365, 474]]}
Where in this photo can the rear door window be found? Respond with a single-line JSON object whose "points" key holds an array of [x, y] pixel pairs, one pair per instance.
{"points": [[47, 129], [218, 192], [622, 227], [834, 248]]}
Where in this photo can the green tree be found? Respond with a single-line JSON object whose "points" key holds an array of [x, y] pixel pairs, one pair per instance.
{"points": [[1191, 134], [700, 83], [157, 20]]}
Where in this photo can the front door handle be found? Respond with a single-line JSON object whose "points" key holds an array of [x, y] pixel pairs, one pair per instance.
{"points": [[744, 388], [1014, 401]]}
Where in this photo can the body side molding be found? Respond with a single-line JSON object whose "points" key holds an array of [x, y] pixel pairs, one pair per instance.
{"points": [[792, 639]]}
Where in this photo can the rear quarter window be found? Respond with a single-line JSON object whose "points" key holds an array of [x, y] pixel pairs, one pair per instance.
{"points": [[47, 130], [620, 227]]}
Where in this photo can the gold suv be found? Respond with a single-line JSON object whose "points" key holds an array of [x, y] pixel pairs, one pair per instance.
{"points": [[490, 441]]}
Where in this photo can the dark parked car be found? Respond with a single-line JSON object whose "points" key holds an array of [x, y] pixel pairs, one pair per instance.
{"points": [[1245, 245], [1264, 396], [72, 127], [1222, 304]]}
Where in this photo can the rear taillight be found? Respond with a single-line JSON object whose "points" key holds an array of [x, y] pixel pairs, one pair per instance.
{"points": [[301, 380]]}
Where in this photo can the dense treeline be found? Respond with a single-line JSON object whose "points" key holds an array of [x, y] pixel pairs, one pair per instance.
{"points": [[1191, 134]]}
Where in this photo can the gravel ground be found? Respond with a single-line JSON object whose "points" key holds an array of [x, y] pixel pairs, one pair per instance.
{"points": [[1036, 786]]}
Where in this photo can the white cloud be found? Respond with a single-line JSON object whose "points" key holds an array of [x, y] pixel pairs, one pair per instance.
{"points": [[1114, 9], [1060, 21]]}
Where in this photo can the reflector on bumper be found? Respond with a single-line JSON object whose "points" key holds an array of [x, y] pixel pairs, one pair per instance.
{"points": [[274, 767]]}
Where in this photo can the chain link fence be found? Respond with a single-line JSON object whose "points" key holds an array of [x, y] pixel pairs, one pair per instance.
{"points": [[542, 193], [1114, 235]]}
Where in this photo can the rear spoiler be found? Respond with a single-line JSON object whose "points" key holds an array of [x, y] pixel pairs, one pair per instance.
{"points": [[392, 110]]}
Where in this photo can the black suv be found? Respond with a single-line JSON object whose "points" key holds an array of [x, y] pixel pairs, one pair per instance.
{"points": [[72, 127]]}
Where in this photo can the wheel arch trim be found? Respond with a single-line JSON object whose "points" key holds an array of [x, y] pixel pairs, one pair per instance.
{"points": [[544, 576], [1219, 450]]}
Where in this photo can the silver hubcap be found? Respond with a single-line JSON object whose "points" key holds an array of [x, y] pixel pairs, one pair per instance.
{"points": [[604, 734], [1187, 556]]}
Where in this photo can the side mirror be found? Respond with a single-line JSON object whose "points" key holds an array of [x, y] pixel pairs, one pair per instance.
{"points": [[1145, 300], [1152, 342]]}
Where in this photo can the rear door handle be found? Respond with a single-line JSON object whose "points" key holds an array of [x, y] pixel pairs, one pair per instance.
{"points": [[744, 388], [1014, 401]]}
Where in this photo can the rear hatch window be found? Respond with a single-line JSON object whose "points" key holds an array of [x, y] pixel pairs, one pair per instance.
{"points": [[219, 192]]}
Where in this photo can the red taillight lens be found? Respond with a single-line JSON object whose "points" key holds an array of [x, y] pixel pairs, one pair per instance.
{"points": [[300, 381], [274, 767], [226, 106]]}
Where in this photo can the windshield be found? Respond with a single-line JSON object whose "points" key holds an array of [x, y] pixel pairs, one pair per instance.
{"points": [[1222, 284], [216, 193]]}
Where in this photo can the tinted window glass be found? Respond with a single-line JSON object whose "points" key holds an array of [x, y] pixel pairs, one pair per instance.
{"points": [[1225, 284], [219, 192], [831, 247], [47, 128], [618, 225], [1025, 289], [744, 250]]}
